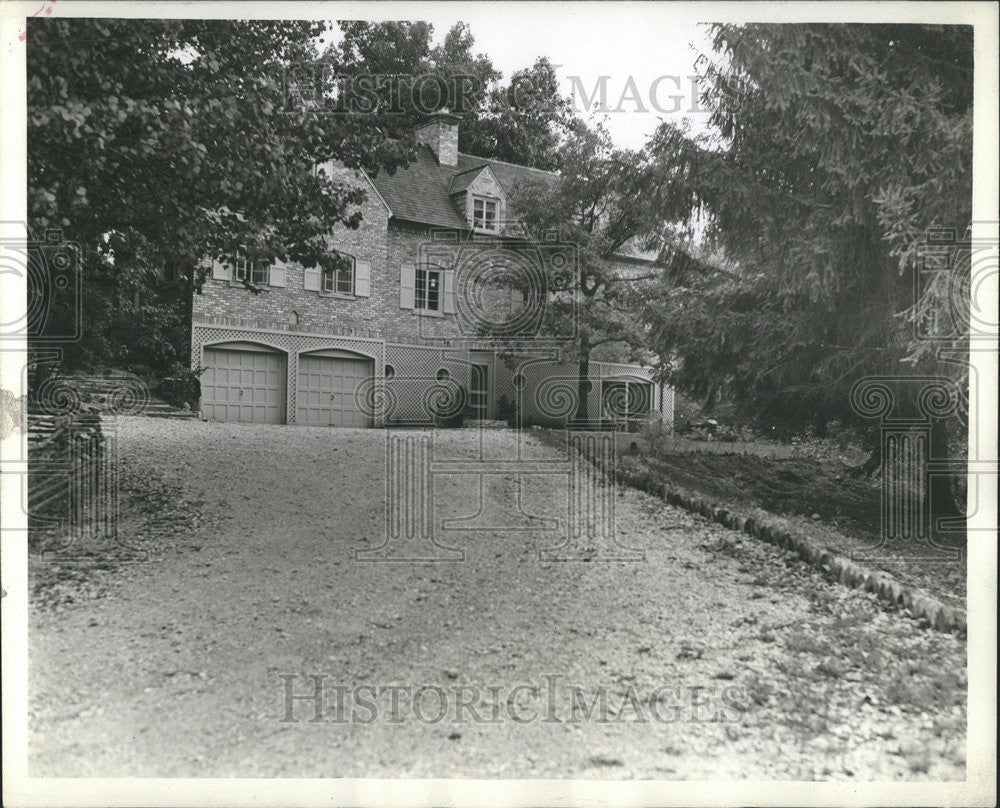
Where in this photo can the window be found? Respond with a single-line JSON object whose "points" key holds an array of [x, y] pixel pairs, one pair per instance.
{"points": [[390, 372], [427, 291], [443, 375], [260, 273], [340, 280], [257, 272], [484, 214]]}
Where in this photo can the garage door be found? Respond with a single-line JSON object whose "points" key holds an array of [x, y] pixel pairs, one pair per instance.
{"points": [[326, 391], [243, 385]]}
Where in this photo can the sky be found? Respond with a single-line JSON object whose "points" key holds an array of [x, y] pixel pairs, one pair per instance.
{"points": [[641, 55]]}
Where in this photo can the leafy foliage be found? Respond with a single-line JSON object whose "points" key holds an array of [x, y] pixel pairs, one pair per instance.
{"points": [[598, 205], [838, 147], [154, 144], [523, 121]]}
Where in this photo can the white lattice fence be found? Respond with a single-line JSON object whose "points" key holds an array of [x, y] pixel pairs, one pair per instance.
{"points": [[425, 383]]}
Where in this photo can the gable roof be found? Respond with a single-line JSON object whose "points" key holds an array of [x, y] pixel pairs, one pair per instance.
{"points": [[461, 182], [421, 192]]}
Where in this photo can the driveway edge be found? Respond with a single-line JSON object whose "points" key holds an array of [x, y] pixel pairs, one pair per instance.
{"points": [[834, 566]]}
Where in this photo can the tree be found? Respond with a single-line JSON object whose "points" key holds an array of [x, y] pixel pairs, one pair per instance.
{"points": [[837, 148], [596, 205], [153, 144], [523, 121]]}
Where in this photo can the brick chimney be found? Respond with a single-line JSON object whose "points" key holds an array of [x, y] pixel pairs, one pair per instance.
{"points": [[440, 132]]}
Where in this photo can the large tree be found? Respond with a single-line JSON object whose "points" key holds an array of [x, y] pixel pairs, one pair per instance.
{"points": [[836, 149], [525, 121], [153, 144], [521, 121], [597, 206]]}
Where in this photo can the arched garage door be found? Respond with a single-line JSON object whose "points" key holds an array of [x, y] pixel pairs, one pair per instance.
{"points": [[243, 382], [326, 394]]}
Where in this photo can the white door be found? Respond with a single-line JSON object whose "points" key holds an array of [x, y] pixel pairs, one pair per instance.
{"points": [[326, 394], [240, 385]]}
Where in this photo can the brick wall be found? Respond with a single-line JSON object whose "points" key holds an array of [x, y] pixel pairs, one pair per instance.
{"points": [[442, 137], [386, 247]]}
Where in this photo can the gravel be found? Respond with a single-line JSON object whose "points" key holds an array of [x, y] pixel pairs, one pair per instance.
{"points": [[743, 662]]}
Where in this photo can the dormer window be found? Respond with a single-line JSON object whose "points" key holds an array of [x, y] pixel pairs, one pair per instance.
{"points": [[484, 214]]}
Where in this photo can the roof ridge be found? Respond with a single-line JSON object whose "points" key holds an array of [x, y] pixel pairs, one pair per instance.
{"points": [[508, 163], [474, 168]]}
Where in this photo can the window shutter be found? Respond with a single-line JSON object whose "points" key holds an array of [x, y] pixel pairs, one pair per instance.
{"points": [[362, 279], [449, 291], [277, 274], [310, 280], [407, 285], [220, 271]]}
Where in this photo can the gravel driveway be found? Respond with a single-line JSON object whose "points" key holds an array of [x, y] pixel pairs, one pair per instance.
{"points": [[714, 657]]}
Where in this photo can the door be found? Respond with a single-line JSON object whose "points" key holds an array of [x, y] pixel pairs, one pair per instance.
{"points": [[479, 392], [243, 385], [326, 391]]}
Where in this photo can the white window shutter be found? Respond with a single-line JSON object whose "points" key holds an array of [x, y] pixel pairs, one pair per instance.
{"points": [[277, 274], [362, 279], [449, 291], [407, 285], [220, 271], [310, 279]]}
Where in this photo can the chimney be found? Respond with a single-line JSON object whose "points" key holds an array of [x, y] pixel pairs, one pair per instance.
{"points": [[440, 132]]}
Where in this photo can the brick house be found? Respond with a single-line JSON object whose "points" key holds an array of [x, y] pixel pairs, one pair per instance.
{"points": [[397, 336]]}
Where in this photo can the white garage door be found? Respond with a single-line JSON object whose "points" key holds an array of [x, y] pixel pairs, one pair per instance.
{"points": [[243, 385], [326, 391]]}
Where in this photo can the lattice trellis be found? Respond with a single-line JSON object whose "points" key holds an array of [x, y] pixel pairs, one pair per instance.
{"points": [[548, 391], [293, 344], [415, 390]]}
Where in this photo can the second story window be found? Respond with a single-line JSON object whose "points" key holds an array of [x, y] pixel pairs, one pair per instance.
{"points": [[484, 214], [340, 280], [427, 291], [256, 271]]}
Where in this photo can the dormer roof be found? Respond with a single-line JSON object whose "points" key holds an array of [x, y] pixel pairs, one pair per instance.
{"points": [[422, 192], [462, 182]]}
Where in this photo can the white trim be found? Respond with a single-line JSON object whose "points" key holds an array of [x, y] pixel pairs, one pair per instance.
{"points": [[256, 330], [377, 194], [337, 352]]}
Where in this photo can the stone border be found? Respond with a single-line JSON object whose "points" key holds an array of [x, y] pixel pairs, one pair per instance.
{"points": [[835, 567]]}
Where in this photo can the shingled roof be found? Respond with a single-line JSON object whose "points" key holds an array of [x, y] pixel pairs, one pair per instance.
{"points": [[420, 193]]}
